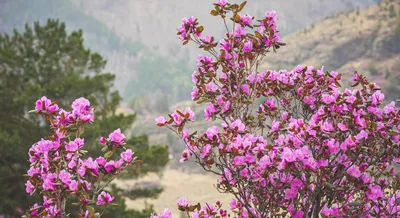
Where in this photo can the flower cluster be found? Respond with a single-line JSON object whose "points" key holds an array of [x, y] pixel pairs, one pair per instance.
{"points": [[291, 142], [58, 169]]}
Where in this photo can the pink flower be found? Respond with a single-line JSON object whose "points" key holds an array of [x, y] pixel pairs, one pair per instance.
{"points": [[248, 46], [73, 146], [205, 151], [354, 171], [117, 137], [29, 187], [195, 93], [185, 134], [65, 177], [210, 110], [239, 31], [104, 198], [299, 214], [327, 126], [221, 3], [326, 211], [375, 192], [233, 204], [270, 104], [240, 126], [211, 132], [101, 161], [127, 155], [161, 121], [185, 155], [166, 214], [377, 97], [33, 171], [81, 108], [275, 126], [328, 99], [109, 166], [291, 193], [246, 89], [211, 87], [53, 210], [49, 181], [342, 127], [333, 146], [73, 185], [118, 164], [183, 202], [239, 160], [45, 104], [390, 108], [177, 118], [102, 140], [271, 15], [207, 39], [350, 99], [33, 210], [288, 155], [195, 74], [246, 19], [189, 112]]}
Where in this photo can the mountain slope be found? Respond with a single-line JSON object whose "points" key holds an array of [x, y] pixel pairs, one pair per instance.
{"points": [[365, 40], [154, 22]]}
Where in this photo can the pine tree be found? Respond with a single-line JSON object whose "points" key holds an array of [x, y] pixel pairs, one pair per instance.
{"points": [[47, 60]]}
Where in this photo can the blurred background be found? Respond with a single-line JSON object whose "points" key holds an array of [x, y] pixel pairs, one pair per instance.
{"points": [[125, 57]]}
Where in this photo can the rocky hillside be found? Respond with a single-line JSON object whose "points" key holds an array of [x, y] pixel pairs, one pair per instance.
{"points": [[365, 40], [154, 22]]}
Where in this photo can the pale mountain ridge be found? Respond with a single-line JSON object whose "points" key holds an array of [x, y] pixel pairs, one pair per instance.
{"points": [[365, 40], [154, 22]]}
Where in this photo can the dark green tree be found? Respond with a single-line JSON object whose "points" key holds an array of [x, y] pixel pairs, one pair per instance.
{"points": [[47, 60]]}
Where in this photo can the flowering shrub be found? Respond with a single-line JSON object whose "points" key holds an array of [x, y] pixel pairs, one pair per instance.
{"points": [[60, 173], [292, 143]]}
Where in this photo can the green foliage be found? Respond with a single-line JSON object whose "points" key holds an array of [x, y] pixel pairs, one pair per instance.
{"points": [[47, 60], [392, 12], [143, 193], [154, 157]]}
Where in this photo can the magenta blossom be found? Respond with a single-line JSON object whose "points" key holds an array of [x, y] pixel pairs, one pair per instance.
{"points": [[104, 198], [161, 120], [127, 155], [73, 146], [117, 137], [45, 104]]}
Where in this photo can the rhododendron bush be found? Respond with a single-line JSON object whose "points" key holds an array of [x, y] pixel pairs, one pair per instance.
{"points": [[292, 142], [60, 171]]}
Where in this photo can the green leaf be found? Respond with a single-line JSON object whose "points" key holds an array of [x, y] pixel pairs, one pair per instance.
{"points": [[200, 29], [258, 35], [214, 13], [242, 6], [236, 17], [108, 154]]}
